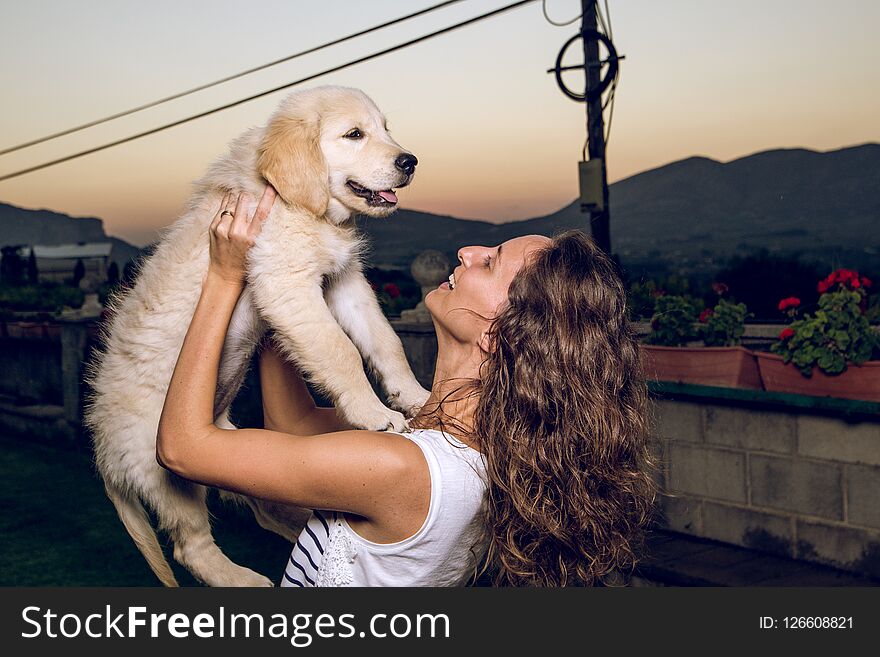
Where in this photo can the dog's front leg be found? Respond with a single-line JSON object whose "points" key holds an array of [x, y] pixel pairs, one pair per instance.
{"points": [[242, 337], [354, 304], [310, 336]]}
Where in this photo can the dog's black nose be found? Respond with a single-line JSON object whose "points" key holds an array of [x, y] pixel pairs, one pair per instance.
{"points": [[407, 163]]}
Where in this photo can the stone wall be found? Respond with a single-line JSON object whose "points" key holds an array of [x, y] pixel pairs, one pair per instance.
{"points": [[41, 382], [420, 343], [796, 484], [30, 369], [786, 481]]}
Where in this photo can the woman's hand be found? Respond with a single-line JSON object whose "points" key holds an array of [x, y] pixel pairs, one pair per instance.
{"points": [[233, 233]]}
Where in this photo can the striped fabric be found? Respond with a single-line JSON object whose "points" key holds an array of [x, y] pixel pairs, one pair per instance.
{"points": [[443, 552], [302, 567]]}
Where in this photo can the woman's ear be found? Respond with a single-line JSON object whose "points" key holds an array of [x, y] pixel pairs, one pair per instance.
{"points": [[290, 158]]}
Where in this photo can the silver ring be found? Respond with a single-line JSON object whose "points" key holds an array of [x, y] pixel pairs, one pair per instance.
{"points": [[229, 212]]}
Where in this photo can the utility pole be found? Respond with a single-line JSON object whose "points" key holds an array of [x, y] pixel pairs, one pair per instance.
{"points": [[599, 214], [592, 177]]}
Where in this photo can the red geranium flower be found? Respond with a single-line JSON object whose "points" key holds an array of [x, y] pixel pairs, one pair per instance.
{"points": [[786, 333], [846, 278], [720, 288], [706, 314], [391, 290], [789, 302]]}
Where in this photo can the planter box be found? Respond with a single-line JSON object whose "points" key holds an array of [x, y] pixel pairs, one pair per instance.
{"points": [[32, 330], [728, 367], [13, 330], [857, 382]]}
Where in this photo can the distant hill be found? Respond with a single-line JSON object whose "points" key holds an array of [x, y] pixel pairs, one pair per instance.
{"points": [[689, 216], [693, 214], [23, 226]]}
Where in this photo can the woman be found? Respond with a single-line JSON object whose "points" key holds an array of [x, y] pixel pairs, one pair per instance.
{"points": [[530, 456]]}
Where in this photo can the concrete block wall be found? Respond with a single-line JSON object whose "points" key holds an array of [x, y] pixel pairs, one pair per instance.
{"points": [[787, 483]]}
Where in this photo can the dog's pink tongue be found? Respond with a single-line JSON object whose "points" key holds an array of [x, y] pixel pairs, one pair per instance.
{"points": [[388, 195]]}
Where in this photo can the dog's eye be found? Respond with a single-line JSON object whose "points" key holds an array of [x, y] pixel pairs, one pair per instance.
{"points": [[354, 133]]}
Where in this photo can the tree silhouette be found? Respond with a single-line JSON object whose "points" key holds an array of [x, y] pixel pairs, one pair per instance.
{"points": [[79, 271], [113, 274], [33, 275], [11, 266]]}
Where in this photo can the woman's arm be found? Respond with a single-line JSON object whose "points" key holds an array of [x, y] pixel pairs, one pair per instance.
{"points": [[287, 404], [189, 402], [382, 477]]}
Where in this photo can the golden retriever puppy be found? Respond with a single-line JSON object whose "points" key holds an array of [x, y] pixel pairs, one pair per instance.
{"points": [[328, 153]]}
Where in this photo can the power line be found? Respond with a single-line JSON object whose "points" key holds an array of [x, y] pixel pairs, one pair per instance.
{"points": [[228, 78], [334, 69], [606, 26], [601, 19], [551, 21], [611, 113], [608, 18]]}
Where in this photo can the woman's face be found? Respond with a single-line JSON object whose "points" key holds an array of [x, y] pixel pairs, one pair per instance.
{"points": [[478, 286]]}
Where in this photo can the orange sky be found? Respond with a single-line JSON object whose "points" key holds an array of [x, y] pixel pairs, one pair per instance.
{"points": [[494, 136]]}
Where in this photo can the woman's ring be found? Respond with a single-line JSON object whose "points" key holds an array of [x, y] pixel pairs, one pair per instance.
{"points": [[229, 212]]}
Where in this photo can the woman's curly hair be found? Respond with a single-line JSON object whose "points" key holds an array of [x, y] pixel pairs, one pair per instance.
{"points": [[561, 420]]}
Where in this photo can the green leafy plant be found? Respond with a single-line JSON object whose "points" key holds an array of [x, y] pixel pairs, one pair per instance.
{"points": [[643, 294], [723, 325], [837, 334], [673, 322], [49, 297]]}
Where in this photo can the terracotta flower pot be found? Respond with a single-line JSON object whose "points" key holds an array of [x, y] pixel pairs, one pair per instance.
{"points": [[857, 382], [728, 367], [31, 330]]}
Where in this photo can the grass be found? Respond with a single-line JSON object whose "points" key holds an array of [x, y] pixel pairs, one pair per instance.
{"points": [[57, 527]]}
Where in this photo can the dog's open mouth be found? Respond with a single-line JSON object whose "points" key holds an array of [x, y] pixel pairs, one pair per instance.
{"points": [[385, 197]]}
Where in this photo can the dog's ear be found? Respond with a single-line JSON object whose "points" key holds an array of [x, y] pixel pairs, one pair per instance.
{"points": [[290, 158]]}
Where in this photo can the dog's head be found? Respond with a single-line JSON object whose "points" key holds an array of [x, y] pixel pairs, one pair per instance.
{"points": [[330, 145]]}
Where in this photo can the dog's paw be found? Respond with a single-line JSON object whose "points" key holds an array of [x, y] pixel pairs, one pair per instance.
{"points": [[236, 575], [259, 581], [409, 400], [378, 418]]}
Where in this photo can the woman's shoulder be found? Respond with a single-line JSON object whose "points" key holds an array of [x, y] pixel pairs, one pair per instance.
{"points": [[448, 457], [402, 447], [444, 440]]}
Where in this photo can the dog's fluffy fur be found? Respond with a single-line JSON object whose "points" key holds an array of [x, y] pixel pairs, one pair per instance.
{"points": [[305, 281]]}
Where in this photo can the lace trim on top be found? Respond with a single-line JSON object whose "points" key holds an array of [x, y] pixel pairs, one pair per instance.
{"points": [[335, 569]]}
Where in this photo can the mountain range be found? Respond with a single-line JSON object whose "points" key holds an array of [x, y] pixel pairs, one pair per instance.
{"points": [[23, 226], [688, 216], [692, 215]]}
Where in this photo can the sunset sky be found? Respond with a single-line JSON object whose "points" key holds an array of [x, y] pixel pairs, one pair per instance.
{"points": [[495, 138]]}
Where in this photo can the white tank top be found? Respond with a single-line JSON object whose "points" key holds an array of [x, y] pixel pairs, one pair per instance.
{"points": [[443, 552]]}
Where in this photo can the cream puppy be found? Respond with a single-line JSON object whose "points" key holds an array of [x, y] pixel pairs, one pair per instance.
{"points": [[328, 153]]}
